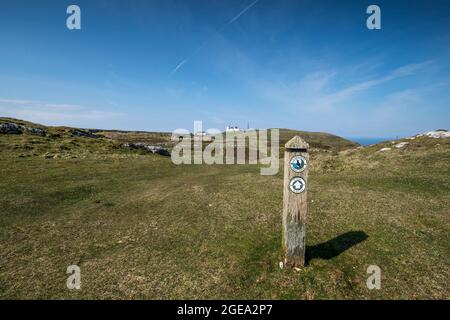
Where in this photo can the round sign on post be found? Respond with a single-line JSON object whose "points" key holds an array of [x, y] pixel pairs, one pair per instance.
{"points": [[297, 185], [298, 164]]}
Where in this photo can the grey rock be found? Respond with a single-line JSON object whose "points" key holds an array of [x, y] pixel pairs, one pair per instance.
{"points": [[36, 131], [14, 128], [10, 128], [87, 134], [437, 134], [151, 148], [401, 145]]}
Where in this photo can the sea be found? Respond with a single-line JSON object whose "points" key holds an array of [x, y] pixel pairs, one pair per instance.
{"points": [[364, 141]]}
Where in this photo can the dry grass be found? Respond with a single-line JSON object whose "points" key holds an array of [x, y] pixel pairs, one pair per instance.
{"points": [[141, 227]]}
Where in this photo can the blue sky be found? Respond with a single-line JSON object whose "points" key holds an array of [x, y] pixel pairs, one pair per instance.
{"points": [[159, 65]]}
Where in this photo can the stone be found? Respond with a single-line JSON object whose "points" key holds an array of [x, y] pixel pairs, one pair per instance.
{"points": [[87, 134], [438, 134], [36, 131], [151, 148], [10, 128], [401, 145], [14, 128]]}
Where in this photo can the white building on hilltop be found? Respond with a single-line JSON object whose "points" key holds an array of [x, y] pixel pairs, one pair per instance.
{"points": [[232, 129]]}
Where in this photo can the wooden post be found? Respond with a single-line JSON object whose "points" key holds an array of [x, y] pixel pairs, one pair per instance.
{"points": [[296, 162]]}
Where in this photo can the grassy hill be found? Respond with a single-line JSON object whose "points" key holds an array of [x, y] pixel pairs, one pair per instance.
{"points": [[65, 143], [318, 140], [141, 227]]}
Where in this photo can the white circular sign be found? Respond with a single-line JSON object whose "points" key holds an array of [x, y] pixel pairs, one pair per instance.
{"points": [[298, 164], [297, 185]]}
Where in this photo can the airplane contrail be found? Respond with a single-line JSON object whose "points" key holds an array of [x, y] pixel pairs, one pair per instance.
{"points": [[179, 66], [243, 11], [232, 20]]}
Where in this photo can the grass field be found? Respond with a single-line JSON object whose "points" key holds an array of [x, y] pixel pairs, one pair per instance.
{"points": [[140, 227]]}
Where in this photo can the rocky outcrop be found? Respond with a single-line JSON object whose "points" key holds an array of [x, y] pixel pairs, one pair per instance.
{"points": [[14, 128], [436, 134], [82, 133], [151, 148], [401, 145], [10, 128], [36, 131]]}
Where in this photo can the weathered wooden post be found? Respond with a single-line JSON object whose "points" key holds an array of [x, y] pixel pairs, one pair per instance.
{"points": [[296, 159]]}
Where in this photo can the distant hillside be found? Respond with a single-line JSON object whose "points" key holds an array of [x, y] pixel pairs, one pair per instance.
{"points": [[318, 140], [24, 139]]}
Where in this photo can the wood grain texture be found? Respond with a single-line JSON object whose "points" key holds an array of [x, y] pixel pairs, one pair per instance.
{"points": [[294, 205]]}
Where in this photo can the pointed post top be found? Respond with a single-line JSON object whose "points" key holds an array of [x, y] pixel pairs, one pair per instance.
{"points": [[296, 143]]}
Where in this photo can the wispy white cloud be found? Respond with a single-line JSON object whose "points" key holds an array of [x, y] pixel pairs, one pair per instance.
{"points": [[16, 101], [346, 93], [318, 80], [52, 113], [398, 100], [39, 104], [407, 97], [313, 93]]}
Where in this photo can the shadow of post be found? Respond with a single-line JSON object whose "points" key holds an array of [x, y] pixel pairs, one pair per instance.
{"points": [[334, 247]]}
